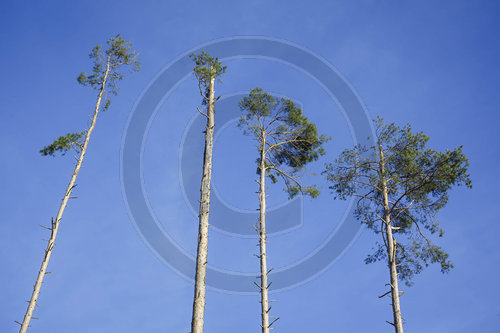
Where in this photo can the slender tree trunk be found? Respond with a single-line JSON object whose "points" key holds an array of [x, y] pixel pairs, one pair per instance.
{"points": [[201, 258], [391, 251], [264, 286], [57, 221]]}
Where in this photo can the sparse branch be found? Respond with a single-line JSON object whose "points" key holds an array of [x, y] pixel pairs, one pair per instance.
{"points": [[203, 94], [281, 172], [367, 197], [409, 191], [418, 228], [201, 112], [275, 119], [402, 210], [273, 146], [366, 184]]}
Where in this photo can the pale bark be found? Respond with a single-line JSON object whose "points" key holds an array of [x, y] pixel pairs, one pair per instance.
{"points": [[202, 252], [391, 251], [264, 287], [56, 222]]}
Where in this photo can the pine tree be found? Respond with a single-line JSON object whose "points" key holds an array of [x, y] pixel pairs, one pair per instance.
{"points": [[287, 141], [400, 185], [207, 69], [108, 69]]}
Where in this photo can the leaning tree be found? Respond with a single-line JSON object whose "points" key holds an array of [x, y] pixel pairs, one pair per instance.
{"points": [[399, 186], [109, 66], [286, 142], [207, 69]]}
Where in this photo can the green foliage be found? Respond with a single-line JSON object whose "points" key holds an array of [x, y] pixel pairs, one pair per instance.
{"points": [[206, 68], [64, 143], [291, 141], [108, 69], [109, 65], [257, 104], [418, 181]]}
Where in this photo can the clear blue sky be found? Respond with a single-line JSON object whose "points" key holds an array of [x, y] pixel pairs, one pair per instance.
{"points": [[434, 65]]}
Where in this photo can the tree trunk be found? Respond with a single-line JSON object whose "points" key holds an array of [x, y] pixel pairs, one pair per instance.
{"points": [[202, 252], [391, 251], [55, 224], [263, 239]]}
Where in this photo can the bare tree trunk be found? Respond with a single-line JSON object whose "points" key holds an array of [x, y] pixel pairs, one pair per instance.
{"points": [[56, 222], [201, 258], [264, 286], [391, 251]]}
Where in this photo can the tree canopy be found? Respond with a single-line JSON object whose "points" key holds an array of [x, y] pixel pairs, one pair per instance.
{"points": [[206, 69], [290, 140], [108, 69], [418, 180], [108, 66]]}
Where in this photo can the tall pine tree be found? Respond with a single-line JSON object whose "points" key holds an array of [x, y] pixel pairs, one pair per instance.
{"points": [[207, 69], [286, 142], [109, 67], [399, 186]]}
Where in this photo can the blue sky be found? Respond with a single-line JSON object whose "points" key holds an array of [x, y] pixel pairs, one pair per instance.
{"points": [[434, 65]]}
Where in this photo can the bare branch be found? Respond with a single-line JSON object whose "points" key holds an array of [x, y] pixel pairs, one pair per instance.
{"points": [[201, 112]]}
